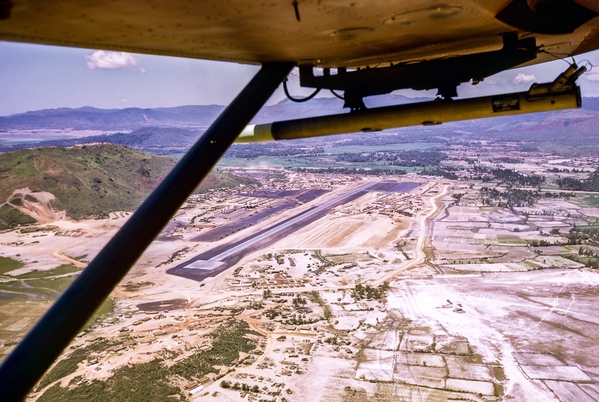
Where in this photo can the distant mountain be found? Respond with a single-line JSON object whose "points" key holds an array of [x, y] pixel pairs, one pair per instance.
{"points": [[200, 117], [287, 109], [89, 118], [156, 140], [172, 130], [129, 119]]}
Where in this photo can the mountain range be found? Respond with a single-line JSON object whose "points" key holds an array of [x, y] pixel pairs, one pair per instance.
{"points": [[198, 116], [172, 130]]}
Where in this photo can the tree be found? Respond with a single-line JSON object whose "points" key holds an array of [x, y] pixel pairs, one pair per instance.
{"points": [[457, 197], [332, 340], [297, 301]]}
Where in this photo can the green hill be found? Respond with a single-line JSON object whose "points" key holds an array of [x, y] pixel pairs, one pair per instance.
{"points": [[86, 181]]}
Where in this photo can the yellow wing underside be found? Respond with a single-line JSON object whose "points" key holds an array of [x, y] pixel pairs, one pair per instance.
{"points": [[329, 33]]}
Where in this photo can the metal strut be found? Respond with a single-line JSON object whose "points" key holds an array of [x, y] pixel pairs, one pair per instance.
{"points": [[37, 351]]}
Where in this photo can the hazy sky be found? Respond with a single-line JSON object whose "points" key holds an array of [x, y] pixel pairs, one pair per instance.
{"points": [[34, 77]]}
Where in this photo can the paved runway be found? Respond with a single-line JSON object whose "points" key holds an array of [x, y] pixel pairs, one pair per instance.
{"points": [[217, 259]]}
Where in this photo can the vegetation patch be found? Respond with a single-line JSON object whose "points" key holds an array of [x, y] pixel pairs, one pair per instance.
{"points": [[507, 239], [61, 270], [590, 184], [314, 296], [103, 311], [153, 381], [17, 202], [369, 292], [593, 201], [217, 180], [585, 235], [8, 264], [138, 382], [446, 173], [11, 217], [589, 256], [88, 180], [352, 170], [63, 368], [34, 229]]}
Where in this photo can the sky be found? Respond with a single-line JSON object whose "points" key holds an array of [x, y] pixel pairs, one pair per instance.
{"points": [[34, 77]]}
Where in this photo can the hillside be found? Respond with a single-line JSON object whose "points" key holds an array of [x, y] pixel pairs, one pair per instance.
{"points": [[83, 181]]}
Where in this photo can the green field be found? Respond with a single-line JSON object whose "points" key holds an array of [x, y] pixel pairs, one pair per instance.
{"points": [[326, 161], [35, 289], [8, 264], [61, 270], [316, 162], [507, 239], [354, 149], [24, 300], [593, 201]]}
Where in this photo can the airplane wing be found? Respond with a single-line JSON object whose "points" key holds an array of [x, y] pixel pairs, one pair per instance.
{"points": [[325, 33]]}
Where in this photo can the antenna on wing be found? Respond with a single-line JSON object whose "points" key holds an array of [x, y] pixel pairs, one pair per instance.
{"points": [[291, 98]]}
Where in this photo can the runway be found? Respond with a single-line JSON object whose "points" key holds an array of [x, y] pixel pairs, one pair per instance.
{"points": [[217, 259]]}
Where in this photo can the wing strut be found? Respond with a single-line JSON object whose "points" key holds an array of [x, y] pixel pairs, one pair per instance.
{"points": [[37, 351]]}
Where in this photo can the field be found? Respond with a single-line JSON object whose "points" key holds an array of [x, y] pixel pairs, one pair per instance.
{"points": [[328, 158], [476, 286], [24, 298]]}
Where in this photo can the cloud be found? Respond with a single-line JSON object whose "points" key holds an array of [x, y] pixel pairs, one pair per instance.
{"points": [[142, 70], [521, 78], [593, 75], [110, 60]]}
